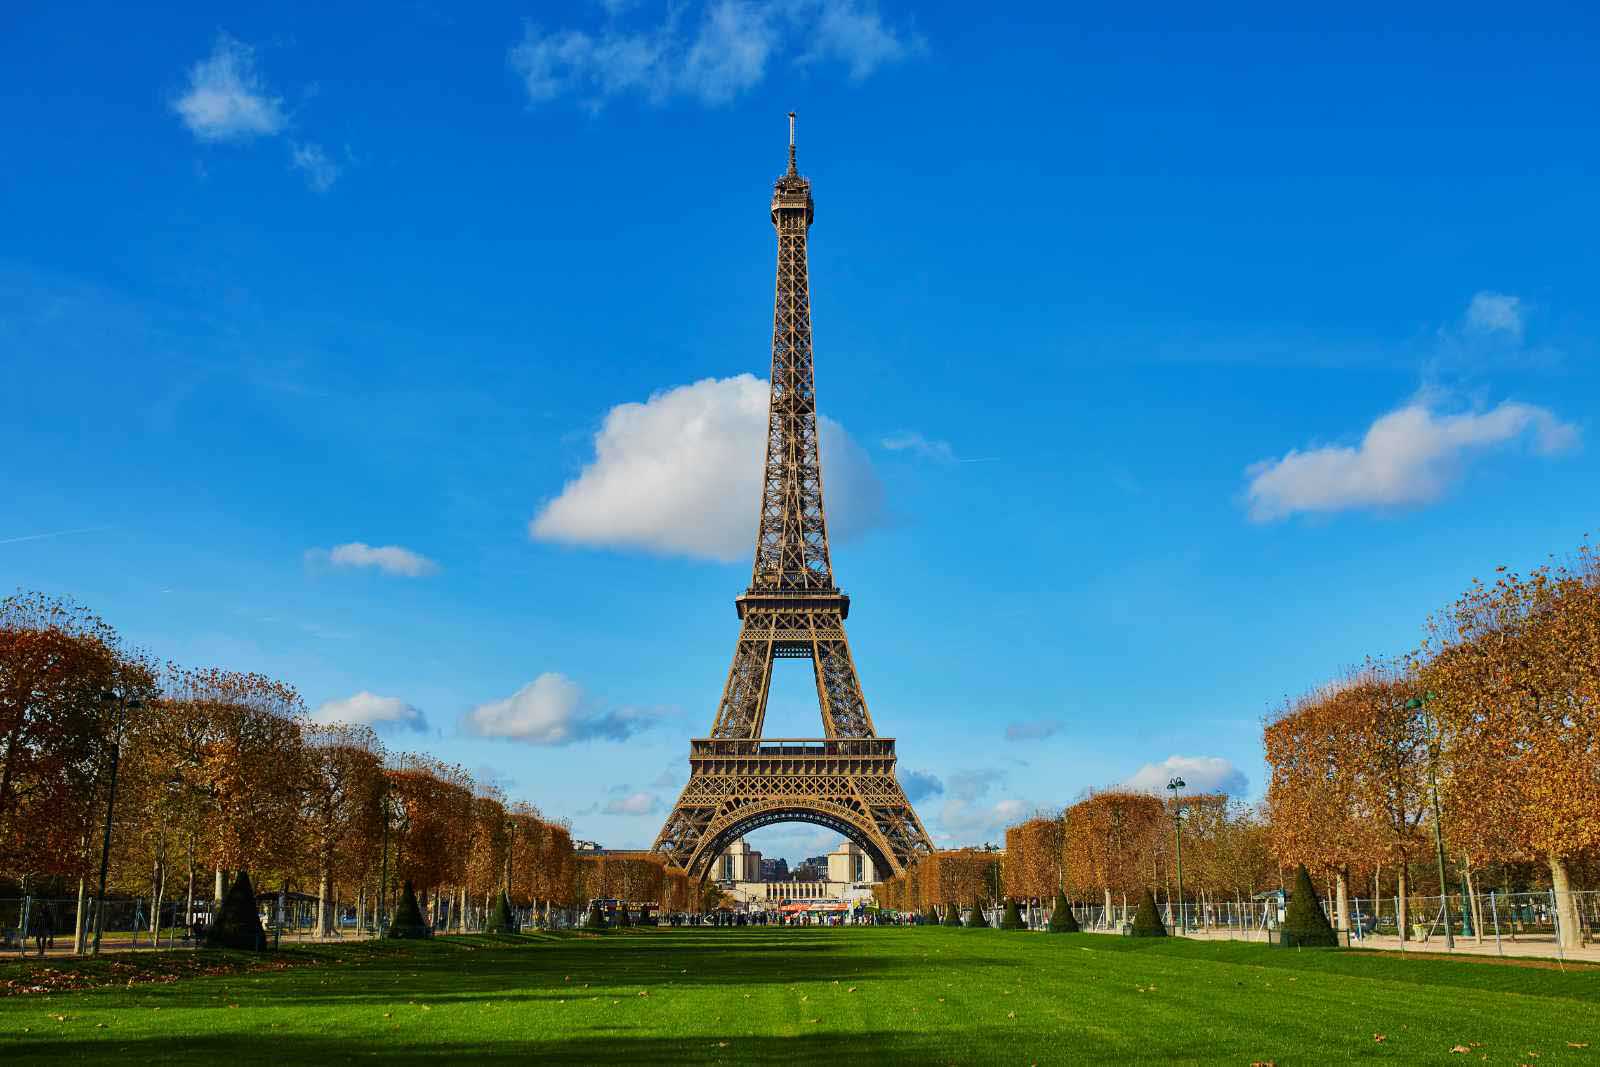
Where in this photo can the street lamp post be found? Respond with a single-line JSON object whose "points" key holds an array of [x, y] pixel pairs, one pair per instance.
{"points": [[124, 704], [1420, 704], [1175, 784]]}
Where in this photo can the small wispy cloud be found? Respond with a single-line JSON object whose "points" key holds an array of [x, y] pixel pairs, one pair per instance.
{"points": [[391, 559], [918, 445], [52, 533], [319, 170], [1491, 312], [710, 51], [1033, 730], [227, 99]]}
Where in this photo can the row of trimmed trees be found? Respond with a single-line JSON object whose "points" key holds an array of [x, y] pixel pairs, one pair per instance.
{"points": [[1107, 848], [214, 771], [643, 879], [1489, 732]]}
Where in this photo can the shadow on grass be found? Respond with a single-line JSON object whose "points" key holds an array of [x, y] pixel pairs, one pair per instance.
{"points": [[878, 1047]]}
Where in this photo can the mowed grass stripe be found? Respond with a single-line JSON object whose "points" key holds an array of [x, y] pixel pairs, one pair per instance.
{"points": [[897, 995]]}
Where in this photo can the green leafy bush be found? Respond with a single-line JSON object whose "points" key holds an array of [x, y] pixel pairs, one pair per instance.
{"points": [[500, 920], [1147, 920], [1012, 919], [952, 915], [596, 919], [975, 916], [1062, 921], [1304, 924], [408, 921], [237, 923]]}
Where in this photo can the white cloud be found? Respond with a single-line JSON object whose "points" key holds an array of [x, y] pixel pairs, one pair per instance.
{"points": [[1034, 730], [320, 171], [370, 709], [639, 803], [227, 100], [681, 474], [972, 822], [1491, 312], [855, 34], [552, 710], [966, 817], [391, 559], [1201, 774], [710, 52], [919, 445], [919, 785], [1408, 456]]}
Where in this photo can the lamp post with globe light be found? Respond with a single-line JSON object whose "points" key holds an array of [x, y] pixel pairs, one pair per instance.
{"points": [[119, 723], [1421, 704], [1173, 785]]}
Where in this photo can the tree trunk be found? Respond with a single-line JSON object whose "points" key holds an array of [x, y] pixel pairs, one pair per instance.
{"points": [[325, 901], [1474, 904], [461, 920], [188, 906], [1571, 932], [78, 926], [1402, 905], [1108, 908], [1341, 891], [216, 896]]}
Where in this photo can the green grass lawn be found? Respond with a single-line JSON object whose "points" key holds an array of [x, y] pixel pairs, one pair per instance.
{"points": [[813, 996]]}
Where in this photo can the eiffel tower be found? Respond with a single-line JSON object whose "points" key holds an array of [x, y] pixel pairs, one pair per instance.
{"points": [[739, 780]]}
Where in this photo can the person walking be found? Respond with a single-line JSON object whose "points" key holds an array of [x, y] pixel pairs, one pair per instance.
{"points": [[44, 928]]}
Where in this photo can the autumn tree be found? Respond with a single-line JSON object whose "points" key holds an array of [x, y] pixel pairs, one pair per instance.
{"points": [[432, 831], [1317, 792], [1517, 665], [343, 789], [1033, 858], [1109, 841], [58, 661], [245, 736]]}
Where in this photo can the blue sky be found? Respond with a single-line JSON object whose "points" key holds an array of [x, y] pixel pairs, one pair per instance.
{"points": [[1173, 365]]}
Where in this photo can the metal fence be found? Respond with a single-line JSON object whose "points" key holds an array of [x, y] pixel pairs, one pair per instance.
{"points": [[1508, 921], [129, 923]]}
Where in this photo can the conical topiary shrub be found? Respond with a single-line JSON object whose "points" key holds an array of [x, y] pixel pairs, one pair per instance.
{"points": [[1062, 921], [500, 920], [237, 923], [408, 921], [931, 916], [1012, 918], [1147, 920], [1304, 924], [975, 918], [596, 919], [623, 917], [952, 915]]}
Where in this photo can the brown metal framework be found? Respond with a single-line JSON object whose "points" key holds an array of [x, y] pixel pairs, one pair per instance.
{"points": [[845, 780]]}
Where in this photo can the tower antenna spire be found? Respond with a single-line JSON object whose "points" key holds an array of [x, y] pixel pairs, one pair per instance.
{"points": [[791, 144]]}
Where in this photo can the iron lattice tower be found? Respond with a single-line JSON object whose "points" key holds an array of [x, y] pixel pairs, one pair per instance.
{"points": [[845, 780]]}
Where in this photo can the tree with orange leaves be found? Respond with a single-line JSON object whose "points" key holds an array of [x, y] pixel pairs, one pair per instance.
{"points": [[1517, 666], [1317, 791], [1033, 858], [57, 660], [1109, 842], [342, 789], [434, 802], [249, 762]]}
